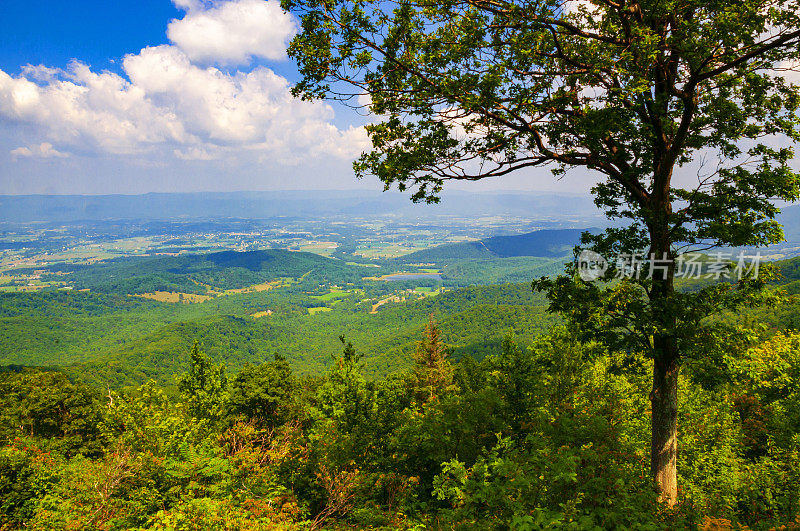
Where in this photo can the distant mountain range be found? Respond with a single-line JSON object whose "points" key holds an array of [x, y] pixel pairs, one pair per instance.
{"points": [[790, 219], [552, 210], [303, 204], [554, 243]]}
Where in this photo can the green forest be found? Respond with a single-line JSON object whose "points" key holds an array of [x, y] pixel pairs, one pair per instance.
{"points": [[473, 409], [553, 436], [112, 335]]}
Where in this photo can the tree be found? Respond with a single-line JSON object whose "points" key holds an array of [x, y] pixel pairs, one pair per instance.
{"points": [[204, 386], [347, 397], [515, 377], [432, 372], [48, 407], [264, 392], [629, 89]]}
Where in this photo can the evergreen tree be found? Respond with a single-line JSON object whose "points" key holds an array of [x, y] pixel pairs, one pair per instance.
{"points": [[514, 379], [347, 397], [433, 372]]}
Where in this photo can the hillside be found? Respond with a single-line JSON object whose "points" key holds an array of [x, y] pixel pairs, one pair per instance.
{"points": [[473, 322], [107, 335], [199, 273], [547, 243], [789, 269]]}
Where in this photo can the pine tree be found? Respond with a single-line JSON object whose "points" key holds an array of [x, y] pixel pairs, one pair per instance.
{"points": [[433, 372]]}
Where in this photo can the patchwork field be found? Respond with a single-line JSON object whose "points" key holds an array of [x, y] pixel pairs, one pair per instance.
{"points": [[168, 296]]}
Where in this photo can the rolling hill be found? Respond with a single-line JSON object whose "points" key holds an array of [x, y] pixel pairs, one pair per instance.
{"points": [[547, 243], [197, 273], [473, 321]]}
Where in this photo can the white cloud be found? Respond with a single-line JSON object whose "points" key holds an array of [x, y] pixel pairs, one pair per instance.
{"points": [[218, 107], [41, 72], [101, 112], [44, 150], [186, 5], [165, 103], [232, 32], [253, 110]]}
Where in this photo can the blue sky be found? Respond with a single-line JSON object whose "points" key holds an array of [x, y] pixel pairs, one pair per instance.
{"points": [[182, 95], [54, 32]]}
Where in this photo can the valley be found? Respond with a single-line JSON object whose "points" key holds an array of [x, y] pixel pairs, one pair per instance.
{"points": [[120, 309], [117, 302]]}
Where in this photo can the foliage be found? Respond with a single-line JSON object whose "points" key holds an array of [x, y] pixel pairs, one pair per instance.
{"points": [[120, 340], [523, 430], [47, 406], [203, 388], [264, 392], [550, 436], [432, 371]]}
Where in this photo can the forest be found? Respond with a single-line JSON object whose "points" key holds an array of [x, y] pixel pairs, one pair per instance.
{"points": [[553, 436], [119, 334], [539, 431]]}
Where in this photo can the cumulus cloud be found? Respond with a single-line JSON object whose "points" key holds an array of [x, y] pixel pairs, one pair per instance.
{"points": [[215, 106], [102, 111], [232, 32], [44, 150], [168, 101]]}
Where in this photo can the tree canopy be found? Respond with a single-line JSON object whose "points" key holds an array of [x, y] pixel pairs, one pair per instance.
{"points": [[632, 90]]}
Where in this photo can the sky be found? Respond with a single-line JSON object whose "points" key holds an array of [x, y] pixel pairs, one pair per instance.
{"points": [[101, 97]]}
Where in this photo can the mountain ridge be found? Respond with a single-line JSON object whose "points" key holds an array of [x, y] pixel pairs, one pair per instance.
{"points": [[545, 243]]}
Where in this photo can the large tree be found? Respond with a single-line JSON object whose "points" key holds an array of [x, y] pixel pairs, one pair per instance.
{"points": [[630, 90]]}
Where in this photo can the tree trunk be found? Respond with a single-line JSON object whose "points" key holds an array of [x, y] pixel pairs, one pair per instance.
{"points": [[664, 426], [664, 396]]}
